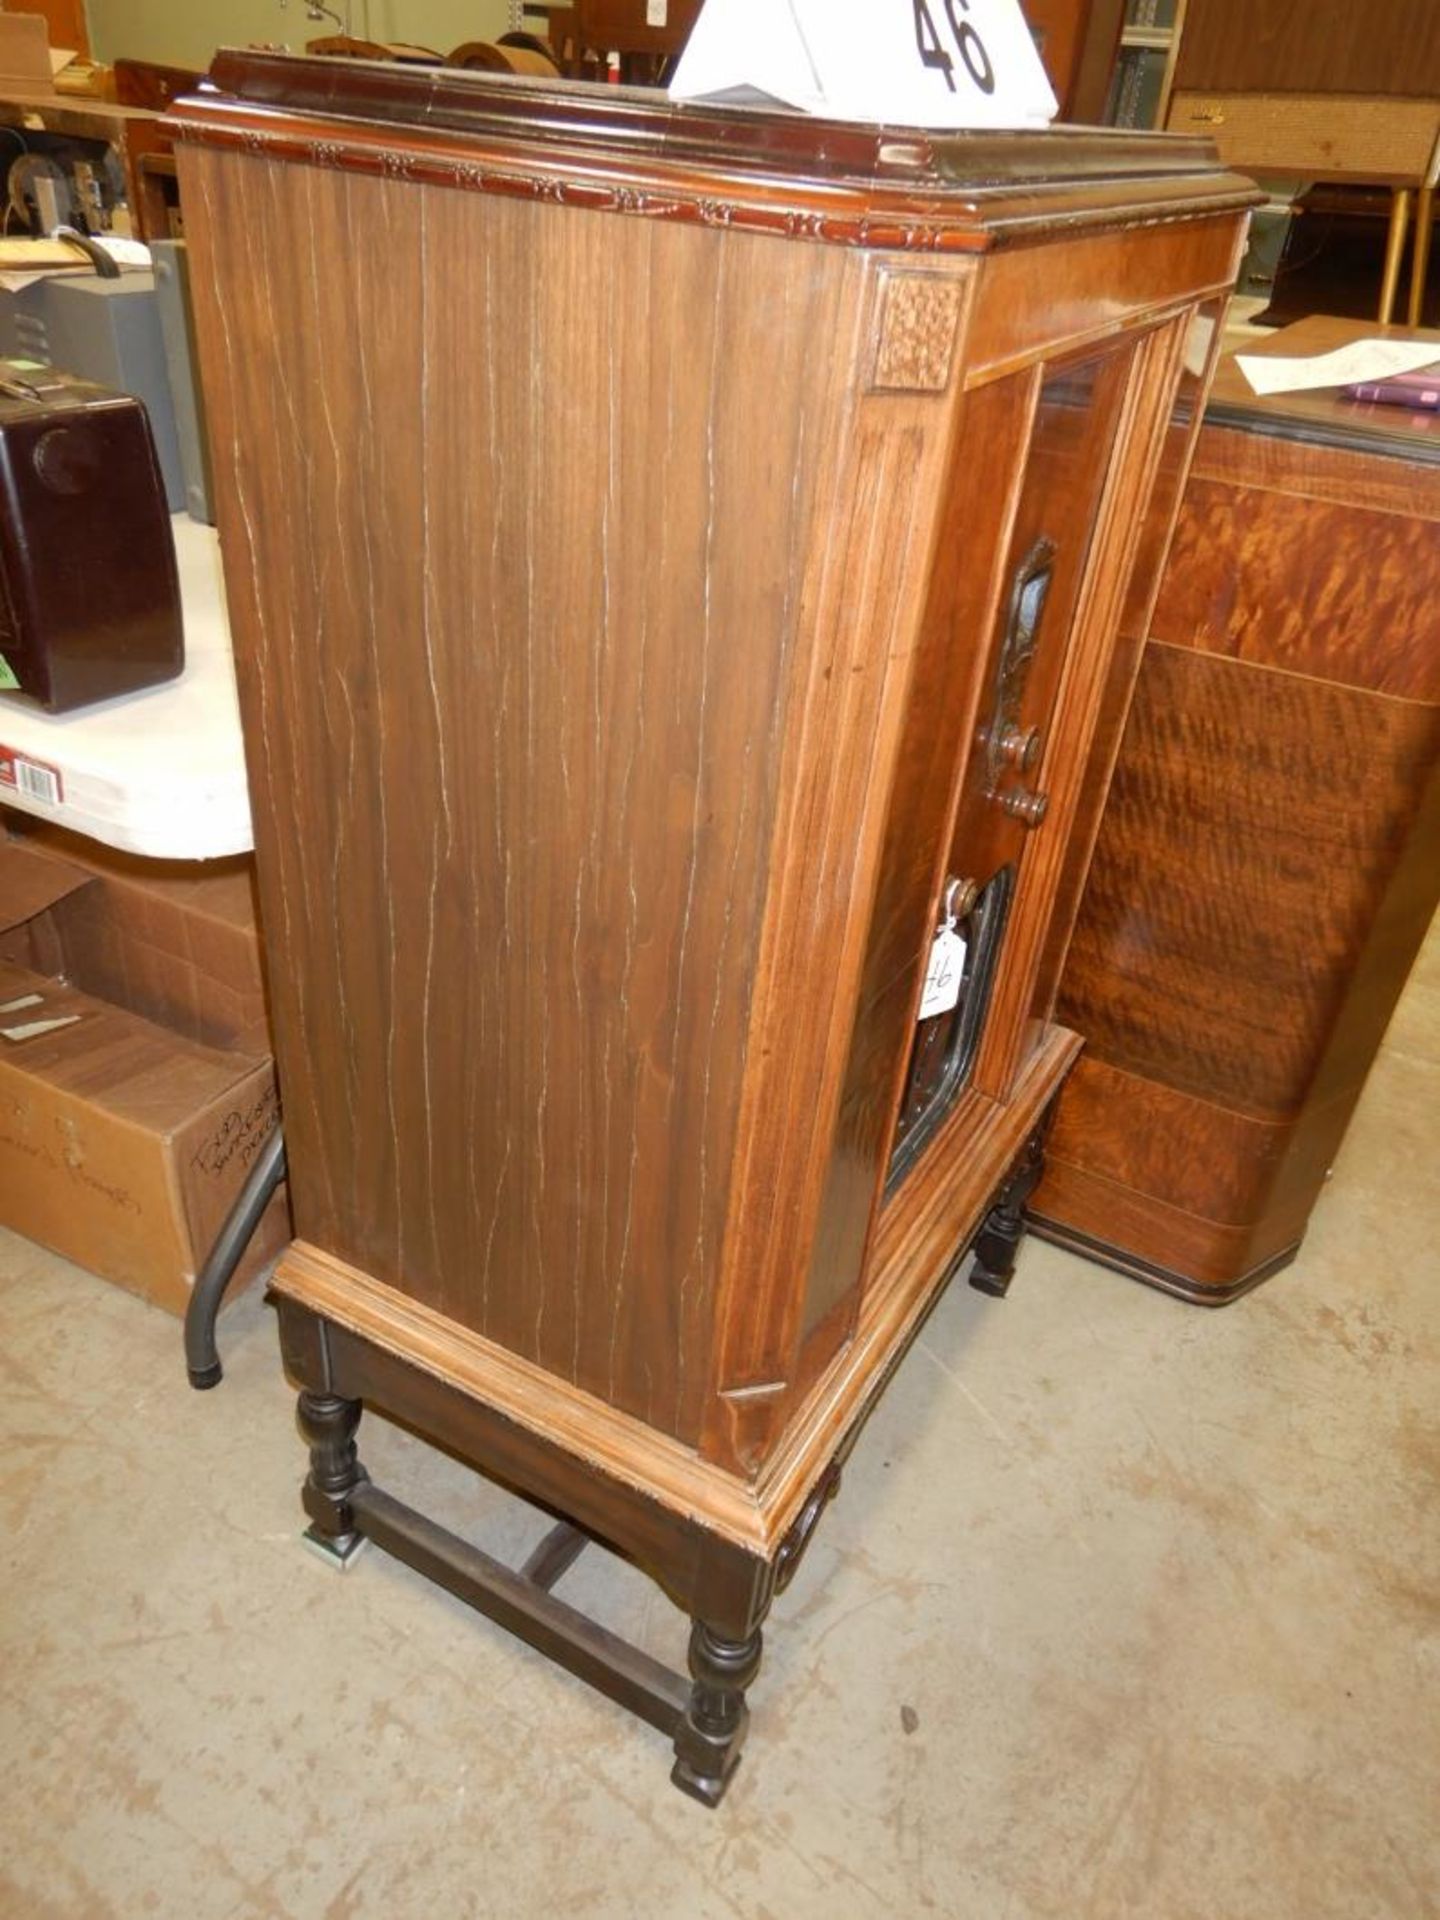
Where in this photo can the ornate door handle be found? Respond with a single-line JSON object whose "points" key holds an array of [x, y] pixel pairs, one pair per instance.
{"points": [[1010, 746]]}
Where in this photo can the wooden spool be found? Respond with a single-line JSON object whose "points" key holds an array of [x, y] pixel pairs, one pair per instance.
{"points": [[516, 53]]}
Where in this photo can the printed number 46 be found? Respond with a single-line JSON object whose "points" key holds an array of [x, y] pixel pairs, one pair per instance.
{"points": [[970, 46]]}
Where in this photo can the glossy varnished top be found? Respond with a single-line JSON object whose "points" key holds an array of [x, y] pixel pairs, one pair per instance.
{"points": [[1323, 416], [635, 151]]}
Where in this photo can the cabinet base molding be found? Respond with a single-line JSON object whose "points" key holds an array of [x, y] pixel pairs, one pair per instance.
{"points": [[726, 1589], [543, 1432], [724, 1575], [1152, 1273]]}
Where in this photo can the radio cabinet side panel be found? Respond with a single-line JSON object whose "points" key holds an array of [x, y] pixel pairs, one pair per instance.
{"points": [[1264, 877], [516, 514]]}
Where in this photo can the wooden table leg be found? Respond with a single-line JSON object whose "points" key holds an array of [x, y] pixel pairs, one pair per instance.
{"points": [[1424, 220], [1394, 251]]}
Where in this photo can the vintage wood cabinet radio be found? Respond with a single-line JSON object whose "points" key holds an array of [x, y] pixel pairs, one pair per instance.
{"points": [[1269, 859], [682, 562]]}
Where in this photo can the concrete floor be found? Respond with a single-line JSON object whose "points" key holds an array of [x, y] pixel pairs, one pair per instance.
{"points": [[1125, 1609]]}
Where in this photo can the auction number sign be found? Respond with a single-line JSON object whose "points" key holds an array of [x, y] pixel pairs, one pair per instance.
{"points": [[874, 60], [963, 35]]}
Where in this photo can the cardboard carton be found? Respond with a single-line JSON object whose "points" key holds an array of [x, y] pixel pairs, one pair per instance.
{"points": [[124, 1139], [26, 67], [173, 940]]}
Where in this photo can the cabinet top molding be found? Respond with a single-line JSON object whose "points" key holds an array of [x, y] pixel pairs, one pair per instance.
{"points": [[630, 150]]}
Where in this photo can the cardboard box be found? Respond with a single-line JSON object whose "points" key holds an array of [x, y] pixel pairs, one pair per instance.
{"points": [[173, 940], [123, 1141], [25, 64]]}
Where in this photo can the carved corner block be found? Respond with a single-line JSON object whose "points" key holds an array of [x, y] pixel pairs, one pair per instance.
{"points": [[917, 332]]}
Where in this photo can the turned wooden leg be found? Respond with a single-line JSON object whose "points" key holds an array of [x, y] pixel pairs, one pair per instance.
{"points": [[328, 1424], [708, 1743], [1420, 268], [999, 1239], [1394, 252]]}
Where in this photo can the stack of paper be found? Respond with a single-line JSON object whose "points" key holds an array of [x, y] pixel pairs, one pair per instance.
{"points": [[1372, 359]]}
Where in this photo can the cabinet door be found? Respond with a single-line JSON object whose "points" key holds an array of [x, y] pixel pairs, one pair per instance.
{"points": [[1039, 532], [991, 885], [1024, 497]]}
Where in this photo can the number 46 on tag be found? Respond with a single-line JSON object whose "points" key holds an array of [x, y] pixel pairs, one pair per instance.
{"points": [[964, 36], [905, 63]]}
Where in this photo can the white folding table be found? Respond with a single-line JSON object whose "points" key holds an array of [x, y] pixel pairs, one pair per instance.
{"points": [[161, 772]]}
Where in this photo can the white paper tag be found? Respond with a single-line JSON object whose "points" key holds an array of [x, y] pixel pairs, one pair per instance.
{"points": [[1374, 359], [944, 973], [656, 12], [917, 63], [1197, 344], [32, 1029]]}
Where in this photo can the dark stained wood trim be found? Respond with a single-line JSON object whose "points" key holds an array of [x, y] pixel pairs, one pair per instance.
{"points": [[1343, 473], [1315, 426], [1295, 430], [632, 151], [1165, 1279]]}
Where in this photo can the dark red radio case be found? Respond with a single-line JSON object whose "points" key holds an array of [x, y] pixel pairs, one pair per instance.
{"points": [[89, 596]]}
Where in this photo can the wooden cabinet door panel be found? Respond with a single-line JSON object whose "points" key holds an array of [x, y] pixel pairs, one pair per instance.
{"points": [[1002, 800], [1053, 432]]}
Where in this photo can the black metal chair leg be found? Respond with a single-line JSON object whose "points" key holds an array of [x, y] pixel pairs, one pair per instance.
{"points": [[202, 1358]]}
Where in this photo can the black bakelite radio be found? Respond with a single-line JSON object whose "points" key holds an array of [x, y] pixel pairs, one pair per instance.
{"points": [[89, 596]]}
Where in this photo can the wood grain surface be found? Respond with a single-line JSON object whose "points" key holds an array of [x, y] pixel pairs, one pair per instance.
{"points": [[1076, 439], [1255, 827], [1079, 292], [1338, 592], [517, 658], [1269, 856], [636, 1485], [1282, 457], [1134, 1231], [1327, 442], [943, 710], [1091, 460], [1193, 1154], [868, 561], [1311, 46], [1195, 341], [1093, 430]]}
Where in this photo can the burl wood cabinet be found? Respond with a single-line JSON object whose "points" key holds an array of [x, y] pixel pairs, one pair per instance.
{"points": [[1270, 854], [675, 560]]}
